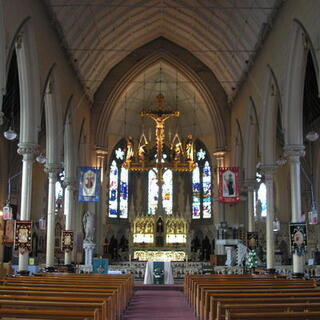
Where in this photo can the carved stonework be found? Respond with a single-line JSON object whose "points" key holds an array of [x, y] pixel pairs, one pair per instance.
{"points": [[294, 151], [28, 150], [52, 168]]}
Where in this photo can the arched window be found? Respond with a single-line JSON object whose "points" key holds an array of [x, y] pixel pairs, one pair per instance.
{"points": [[201, 185], [59, 191], [260, 197], [153, 191], [118, 184]]}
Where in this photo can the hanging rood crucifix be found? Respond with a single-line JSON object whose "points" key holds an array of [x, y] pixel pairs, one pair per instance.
{"points": [[160, 115]]}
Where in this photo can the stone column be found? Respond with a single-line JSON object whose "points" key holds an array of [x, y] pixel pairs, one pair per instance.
{"points": [[28, 151], [268, 171], [68, 210], [250, 184], [294, 152], [53, 170], [219, 155]]}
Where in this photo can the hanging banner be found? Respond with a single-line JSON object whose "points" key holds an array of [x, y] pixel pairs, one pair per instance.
{"points": [[298, 234], [23, 236], [229, 185], [67, 240], [89, 190]]}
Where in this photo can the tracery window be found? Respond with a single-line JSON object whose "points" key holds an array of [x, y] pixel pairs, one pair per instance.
{"points": [[201, 185], [260, 197], [153, 191], [118, 184]]}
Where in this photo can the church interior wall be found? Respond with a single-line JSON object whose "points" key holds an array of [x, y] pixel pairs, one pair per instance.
{"points": [[275, 53]]}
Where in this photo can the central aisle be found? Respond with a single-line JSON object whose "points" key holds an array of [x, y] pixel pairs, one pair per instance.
{"points": [[159, 303]]}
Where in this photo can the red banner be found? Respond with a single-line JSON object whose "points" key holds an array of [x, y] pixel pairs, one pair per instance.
{"points": [[229, 185]]}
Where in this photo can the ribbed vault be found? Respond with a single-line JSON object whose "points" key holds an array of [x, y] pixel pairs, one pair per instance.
{"points": [[223, 34]]}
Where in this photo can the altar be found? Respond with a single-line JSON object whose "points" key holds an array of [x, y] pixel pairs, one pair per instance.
{"points": [[159, 255], [149, 272]]}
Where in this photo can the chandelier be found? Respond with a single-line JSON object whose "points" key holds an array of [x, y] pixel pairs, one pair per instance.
{"points": [[151, 155]]}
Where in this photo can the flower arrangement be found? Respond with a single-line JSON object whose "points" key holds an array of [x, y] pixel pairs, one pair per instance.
{"points": [[252, 261]]}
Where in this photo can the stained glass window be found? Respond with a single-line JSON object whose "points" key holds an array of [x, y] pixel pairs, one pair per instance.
{"points": [[206, 187], [118, 185], [196, 197], [153, 191], [113, 189], [167, 191], [260, 196], [201, 185]]}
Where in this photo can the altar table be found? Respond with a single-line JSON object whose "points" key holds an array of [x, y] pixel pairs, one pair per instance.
{"points": [[168, 276]]}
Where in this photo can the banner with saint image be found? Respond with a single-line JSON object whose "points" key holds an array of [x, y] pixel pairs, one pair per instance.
{"points": [[23, 236], [89, 189], [298, 234], [229, 185]]}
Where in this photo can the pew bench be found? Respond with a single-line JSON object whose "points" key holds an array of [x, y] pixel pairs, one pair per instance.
{"points": [[272, 315]]}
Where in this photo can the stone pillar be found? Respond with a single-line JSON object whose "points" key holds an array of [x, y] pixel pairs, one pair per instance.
{"points": [[294, 152], [268, 171], [28, 151], [53, 170], [68, 211], [250, 184], [219, 249]]}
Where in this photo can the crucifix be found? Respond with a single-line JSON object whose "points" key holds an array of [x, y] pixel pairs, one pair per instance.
{"points": [[160, 115]]}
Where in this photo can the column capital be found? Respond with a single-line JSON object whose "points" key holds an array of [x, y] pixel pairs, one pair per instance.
{"points": [[70, 182], [294, 150], [101, 151], [52, 169], [28, 150], [219, 154], [249, 184], [268, 171]]}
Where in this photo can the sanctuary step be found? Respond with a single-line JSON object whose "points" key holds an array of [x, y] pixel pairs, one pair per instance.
{"points": [[172, 287], [158, 304]]}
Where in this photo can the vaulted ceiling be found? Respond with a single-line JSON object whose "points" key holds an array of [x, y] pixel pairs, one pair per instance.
{"points": [[225, 35]]}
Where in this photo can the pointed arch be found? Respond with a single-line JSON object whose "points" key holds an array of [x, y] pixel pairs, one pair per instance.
{"points": [[29, 82], [294, 86], [3, 68], [113, 87], [54, 130], [237, 155], [270, 111], [251, 150]]}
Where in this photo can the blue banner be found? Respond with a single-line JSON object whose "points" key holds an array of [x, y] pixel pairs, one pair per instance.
{"points": [[89, 189]]}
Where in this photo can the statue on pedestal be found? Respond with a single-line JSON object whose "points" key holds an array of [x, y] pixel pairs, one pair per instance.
{"points": [[88, 226]]}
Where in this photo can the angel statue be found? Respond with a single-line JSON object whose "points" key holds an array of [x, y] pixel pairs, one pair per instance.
{"points": [[88, 226]]}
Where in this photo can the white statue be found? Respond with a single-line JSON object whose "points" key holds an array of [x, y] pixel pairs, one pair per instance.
{"points": [[88, 225]]}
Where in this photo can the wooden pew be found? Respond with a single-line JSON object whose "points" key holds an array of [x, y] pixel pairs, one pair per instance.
{"points": [[48, 314], [270, 307], [118, 288], [50, 303], [273, 315], [224, 302], [217, 297]]}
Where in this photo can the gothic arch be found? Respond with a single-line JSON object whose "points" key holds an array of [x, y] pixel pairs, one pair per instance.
{"points": [[29, 82], [117, 81], [237, 150], [272, 101], [251, 141], [293, 95], [54, 130], [3, 72]]}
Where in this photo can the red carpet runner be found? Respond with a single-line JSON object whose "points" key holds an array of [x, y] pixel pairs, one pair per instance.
{"points": [[159, 304]]}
